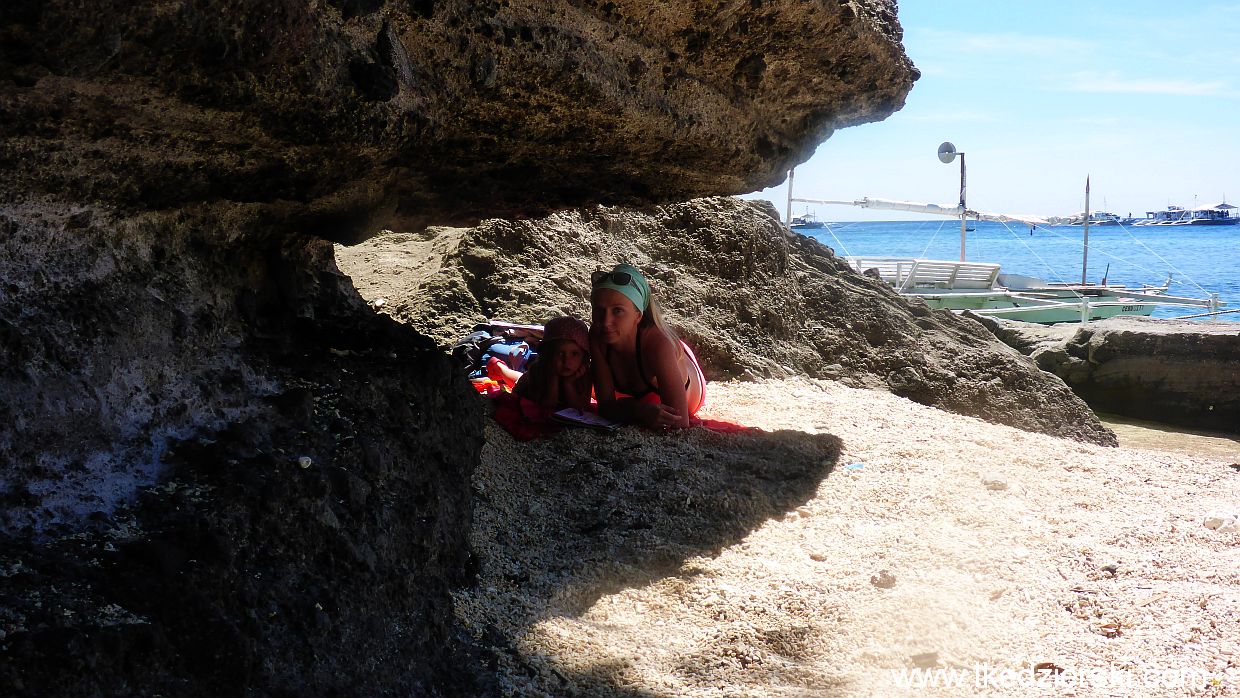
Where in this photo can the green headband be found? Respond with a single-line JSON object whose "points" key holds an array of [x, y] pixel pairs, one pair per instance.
{"points": [[636, 289]]}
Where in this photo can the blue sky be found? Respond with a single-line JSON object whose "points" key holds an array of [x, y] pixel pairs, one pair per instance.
{"points": [[1144, 97]]}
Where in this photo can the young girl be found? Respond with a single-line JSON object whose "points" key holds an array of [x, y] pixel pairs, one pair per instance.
{"points": [[560, 376]]}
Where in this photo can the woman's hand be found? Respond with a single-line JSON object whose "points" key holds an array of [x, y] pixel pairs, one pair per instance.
{"points": [[658, 417]]}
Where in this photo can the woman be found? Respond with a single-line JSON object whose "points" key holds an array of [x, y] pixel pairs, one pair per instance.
{"points": [[643, 374]]}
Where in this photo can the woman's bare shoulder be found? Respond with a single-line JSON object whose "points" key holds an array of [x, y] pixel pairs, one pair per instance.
{"points": [[660, 344]]}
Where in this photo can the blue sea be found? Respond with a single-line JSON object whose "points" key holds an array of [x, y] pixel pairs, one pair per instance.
{"points": [[1200, 259]]}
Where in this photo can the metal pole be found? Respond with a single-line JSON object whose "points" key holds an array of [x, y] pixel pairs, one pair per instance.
{"points": [[788, 211], [1085, 254], [962, 208]]}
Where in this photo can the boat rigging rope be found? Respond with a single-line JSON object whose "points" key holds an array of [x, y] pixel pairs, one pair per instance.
{"points": [[926, 249], [1219, 312], [1161, 259], [1117, 258], [1046, 265], [831, 229]]}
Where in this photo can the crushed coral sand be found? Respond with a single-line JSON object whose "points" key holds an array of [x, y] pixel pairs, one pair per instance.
{"points": [[864, 545]]}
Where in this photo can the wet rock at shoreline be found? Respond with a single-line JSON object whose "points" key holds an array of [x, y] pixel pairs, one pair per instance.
{"points": [[1171, 371]]}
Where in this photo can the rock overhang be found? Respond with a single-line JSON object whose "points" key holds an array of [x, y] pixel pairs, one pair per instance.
{"points": [[345, 116]]}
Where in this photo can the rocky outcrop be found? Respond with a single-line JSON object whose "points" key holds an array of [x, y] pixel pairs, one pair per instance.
{"points": [[1176, 372], [220, 471], [339, 115], [752, 299], [175, 339]]}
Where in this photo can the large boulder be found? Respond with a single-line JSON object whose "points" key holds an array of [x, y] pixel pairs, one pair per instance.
{"points": [[753, 300], [175, 338], [1172, 371], [222, 474]]}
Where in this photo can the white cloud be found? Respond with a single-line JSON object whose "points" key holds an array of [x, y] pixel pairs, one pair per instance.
{"points": [[1113, 83], [947, 116], [1004, 44]]}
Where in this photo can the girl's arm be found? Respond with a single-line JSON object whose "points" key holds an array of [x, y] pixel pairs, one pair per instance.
{"points": [[575, 390], [551, 395], [539, 385]]}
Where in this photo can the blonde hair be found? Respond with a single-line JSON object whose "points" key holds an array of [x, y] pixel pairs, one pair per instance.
{"points": [[654, 317]]}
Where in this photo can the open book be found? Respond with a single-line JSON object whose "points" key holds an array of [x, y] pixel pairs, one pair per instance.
{"points": [[575, 417]]}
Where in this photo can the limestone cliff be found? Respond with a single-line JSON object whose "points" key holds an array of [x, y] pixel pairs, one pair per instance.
{"points": [[329, 116], [221, 472]]}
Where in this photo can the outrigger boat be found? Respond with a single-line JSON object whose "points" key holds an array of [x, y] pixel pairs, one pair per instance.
{"points": [[982, 289], [1219, 214]]}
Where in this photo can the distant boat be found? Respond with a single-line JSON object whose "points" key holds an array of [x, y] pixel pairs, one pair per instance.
{"points": [[1101, 218], [1219, 214], [805, 222], [1095, 218]]}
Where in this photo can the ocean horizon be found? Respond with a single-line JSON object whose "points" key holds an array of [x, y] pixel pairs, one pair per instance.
{"points": [[1198, 259]]}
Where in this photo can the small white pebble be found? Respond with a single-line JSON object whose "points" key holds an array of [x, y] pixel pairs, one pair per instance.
{"points": [[994, 481], [1216, 521], [304, 461]]}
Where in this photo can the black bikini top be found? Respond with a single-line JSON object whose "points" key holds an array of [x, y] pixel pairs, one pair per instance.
{"points": [[640, 372]]}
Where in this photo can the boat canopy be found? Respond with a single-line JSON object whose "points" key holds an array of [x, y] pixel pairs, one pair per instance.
{"points": [[938, 209]]}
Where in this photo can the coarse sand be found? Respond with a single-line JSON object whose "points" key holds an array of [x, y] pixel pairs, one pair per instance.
{"points": [[861, 545]]}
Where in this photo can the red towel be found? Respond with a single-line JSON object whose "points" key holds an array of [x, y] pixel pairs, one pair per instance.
{"points": [[527, 420], [523, 418]]}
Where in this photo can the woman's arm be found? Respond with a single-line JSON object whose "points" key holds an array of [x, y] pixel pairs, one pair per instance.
{"points": [[600, 370], [626, 410], [667, 364]]}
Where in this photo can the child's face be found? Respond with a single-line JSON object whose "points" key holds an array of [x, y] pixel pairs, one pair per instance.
{"points": [[567, 358]]}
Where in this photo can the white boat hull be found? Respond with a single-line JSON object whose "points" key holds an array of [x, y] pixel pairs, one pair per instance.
{"points": [[1012, 307], [974, 286]]}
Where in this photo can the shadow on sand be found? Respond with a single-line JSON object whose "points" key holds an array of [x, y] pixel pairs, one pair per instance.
{"points": [[561, 522]]}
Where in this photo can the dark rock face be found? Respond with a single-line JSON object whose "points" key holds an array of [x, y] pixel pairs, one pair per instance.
{"points": [[1176, 372], [752, 299], [173, 339], [339, 115], [163, 533]]}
